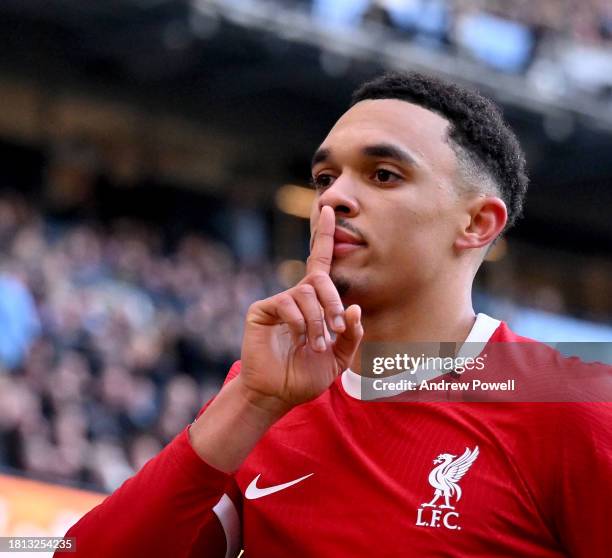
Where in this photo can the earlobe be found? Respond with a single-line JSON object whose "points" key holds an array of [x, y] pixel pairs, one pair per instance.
{"points": [[487, 219]]}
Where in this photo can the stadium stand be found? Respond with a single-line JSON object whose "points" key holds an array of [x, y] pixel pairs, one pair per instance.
{"points": [[117, 345]]}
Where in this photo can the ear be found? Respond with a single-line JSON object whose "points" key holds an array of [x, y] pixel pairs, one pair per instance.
{"points": [[486, 219]]}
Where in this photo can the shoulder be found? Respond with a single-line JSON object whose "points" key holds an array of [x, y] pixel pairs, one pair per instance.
{"points": [[503, 334], [553, 372], [578, 357]]}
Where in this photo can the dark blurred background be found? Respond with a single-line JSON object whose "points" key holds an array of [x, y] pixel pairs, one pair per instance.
{"points": [[154, 160]]}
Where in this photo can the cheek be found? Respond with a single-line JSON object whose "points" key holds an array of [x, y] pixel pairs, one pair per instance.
{"points": [[416, 232]]}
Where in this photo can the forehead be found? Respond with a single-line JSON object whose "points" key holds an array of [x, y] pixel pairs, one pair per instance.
{"points": [[422, 132]]}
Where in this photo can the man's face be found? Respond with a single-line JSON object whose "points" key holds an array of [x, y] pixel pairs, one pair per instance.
{"points": [[388, 171]]}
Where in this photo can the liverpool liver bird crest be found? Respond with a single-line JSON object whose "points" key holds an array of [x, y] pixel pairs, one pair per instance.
{"points": [[445, 477]]}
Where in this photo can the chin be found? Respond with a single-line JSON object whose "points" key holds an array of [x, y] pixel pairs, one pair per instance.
{"points": [[348, 289], [342, 284]]}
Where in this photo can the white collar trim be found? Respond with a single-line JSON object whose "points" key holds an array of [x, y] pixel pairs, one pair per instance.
{"points": [[477, 339]]}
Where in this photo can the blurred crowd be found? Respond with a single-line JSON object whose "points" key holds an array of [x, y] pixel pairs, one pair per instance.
{"points": [[562, 46], [585, 21], [112, 341]]}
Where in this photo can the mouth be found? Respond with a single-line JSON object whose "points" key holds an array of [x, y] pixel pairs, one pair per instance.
{"points": [[346, 243]]}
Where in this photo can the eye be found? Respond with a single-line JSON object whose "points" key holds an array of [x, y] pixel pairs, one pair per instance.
{"points": [[322, 181], [386, 176]]}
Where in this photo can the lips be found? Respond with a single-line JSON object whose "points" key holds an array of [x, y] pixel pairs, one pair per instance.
{"points": [[346, 243], [343, 237]]}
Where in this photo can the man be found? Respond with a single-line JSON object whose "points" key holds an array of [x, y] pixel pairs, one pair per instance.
{"points": [[414, 183]]}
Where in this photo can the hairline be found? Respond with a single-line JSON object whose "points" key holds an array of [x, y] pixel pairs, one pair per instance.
{"points": [[472, 174]]}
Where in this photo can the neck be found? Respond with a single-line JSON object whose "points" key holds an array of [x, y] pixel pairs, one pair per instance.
{"points": [[438, 315]]}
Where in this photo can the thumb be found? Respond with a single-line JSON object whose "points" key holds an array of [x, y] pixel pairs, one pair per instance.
{"points": [[346, 344]]}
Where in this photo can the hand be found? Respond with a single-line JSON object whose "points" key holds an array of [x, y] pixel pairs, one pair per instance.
{"points": [[288, 356]]}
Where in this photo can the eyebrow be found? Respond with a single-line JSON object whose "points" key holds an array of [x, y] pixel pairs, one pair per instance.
{"points": [[320, 155], [385, 150]]}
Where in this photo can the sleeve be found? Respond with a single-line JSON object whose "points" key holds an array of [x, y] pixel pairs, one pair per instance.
{"points": [[176, 505], [585, 488]]}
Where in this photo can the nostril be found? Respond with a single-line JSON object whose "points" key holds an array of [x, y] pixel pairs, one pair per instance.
{"points": [[342, 209]]}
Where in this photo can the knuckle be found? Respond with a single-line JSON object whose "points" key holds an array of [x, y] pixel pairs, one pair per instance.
{"points": [[305, 289], [319, 258], [319, 277], [323, 233], [254, 307], [298, 323], [255, 311], [333, 310], [284, 299], [315, 322]]}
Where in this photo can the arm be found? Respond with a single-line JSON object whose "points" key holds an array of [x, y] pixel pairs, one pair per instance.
{"points": [[169, 508], [159, 512], [288, 358]]}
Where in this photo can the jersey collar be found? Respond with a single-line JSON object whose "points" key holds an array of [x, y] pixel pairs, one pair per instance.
{"points": [[475, 342]]}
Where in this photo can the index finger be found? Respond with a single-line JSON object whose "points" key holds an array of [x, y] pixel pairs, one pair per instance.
{"points": [[322, 251]]}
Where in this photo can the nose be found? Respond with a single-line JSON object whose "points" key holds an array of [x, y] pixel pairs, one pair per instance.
{"points": [[341, 196]]}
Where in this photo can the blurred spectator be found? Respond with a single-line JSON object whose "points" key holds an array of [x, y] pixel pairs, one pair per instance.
{"points": [[498, 42], [571, 36], [126, 341], [18, 320]]}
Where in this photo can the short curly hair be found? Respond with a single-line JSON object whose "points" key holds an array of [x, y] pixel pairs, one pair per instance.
{"points": [[487, 149]]}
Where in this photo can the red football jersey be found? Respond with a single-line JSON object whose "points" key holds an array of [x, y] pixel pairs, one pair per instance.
{"points": [[341, 476]]}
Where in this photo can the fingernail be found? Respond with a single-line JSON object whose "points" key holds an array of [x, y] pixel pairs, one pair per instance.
{"points": [[339, 322], [320, 344], [301, 340]]}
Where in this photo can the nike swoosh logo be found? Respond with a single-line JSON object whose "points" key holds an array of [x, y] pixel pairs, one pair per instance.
{"points": [[253, 492]]}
